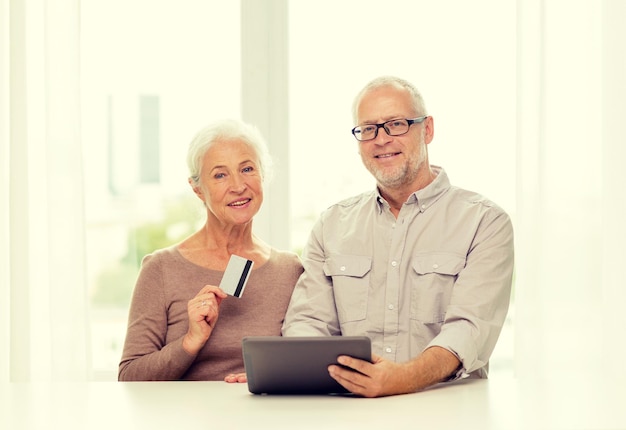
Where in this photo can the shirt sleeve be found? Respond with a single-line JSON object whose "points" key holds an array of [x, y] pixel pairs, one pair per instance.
{"points": [[312, 310], [146, 357], [480, 297]]}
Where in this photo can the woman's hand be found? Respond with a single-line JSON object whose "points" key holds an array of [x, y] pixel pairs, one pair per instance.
{"points": [[203, 312], [236, 377]]}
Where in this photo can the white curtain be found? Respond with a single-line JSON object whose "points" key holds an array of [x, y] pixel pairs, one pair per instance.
{"points": [[570, 290], [44, 300]]}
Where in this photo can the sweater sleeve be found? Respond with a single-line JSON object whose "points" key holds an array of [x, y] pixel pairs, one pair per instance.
{"points": [[146, 357]]}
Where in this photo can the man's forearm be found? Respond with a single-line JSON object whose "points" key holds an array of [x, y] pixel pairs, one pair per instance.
{"points": [[434, 365]]}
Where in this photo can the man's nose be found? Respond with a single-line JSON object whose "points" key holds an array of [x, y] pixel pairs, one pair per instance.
{"points": [[382, 136]]}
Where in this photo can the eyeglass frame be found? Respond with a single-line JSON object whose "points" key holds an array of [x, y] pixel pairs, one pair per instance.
{"points": [[410, 122]]}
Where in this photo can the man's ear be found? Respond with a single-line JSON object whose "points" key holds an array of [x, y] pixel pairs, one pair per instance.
{"points": [[429, 129]]}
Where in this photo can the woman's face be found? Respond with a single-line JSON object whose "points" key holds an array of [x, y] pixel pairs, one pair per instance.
{"points": [[231, 185]]}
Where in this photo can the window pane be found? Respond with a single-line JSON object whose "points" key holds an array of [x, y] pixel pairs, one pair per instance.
{"points": [[153, 74]]}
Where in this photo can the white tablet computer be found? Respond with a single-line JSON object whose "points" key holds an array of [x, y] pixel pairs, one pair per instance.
{"points": [[298, 365]]}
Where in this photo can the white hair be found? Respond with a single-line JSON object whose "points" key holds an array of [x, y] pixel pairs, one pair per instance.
{"points": [[225, 130], [383, 81]]}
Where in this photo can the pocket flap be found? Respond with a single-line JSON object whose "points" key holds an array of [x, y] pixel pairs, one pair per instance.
{"points": [[347, 265], [446, 264]]}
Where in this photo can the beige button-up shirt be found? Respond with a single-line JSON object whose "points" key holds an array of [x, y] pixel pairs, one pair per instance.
{"points": [[440, 274]]}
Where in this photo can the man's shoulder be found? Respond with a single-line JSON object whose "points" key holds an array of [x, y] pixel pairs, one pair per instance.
{"points": [[465, 200], [350, 207], [354, 201], [472, 197]]}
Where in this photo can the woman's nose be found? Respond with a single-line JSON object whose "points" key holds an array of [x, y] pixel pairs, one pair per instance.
{"points": [[238, 184]]}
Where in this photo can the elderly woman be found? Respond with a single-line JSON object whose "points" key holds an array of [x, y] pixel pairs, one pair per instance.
{"points": [[182, 326]]}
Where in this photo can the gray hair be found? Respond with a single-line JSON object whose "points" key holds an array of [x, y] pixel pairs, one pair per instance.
{"points": [[225, 130], [383, 81]]}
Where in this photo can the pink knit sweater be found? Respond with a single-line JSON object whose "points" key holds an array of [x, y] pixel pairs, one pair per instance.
{"points": [[158, 317]]}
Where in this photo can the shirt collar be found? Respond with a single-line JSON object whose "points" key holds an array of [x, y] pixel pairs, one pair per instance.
{"points": [[425, 197], [428, 195]]}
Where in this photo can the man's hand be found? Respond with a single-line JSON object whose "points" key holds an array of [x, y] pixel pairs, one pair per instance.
{"points": [[379, 378], [384, 378]]}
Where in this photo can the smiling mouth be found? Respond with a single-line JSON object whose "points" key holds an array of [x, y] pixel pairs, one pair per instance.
{"points": [[239, 202], [390, 154]]}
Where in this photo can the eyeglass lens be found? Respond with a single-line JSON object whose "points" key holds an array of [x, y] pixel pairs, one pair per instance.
{"points": [[394, 127]]}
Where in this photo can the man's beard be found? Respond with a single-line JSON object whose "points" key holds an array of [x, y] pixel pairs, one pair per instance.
{"points": [[401, 175], [393, 178]]}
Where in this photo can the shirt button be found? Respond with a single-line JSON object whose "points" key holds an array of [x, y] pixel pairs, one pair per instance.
{"points": [[435, 266], [342, 268], [390, 307], [394, 263], [388, 349], [423, 206]]}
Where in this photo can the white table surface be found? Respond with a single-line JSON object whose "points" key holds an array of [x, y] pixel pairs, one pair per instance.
{"points": [[470, 404]]}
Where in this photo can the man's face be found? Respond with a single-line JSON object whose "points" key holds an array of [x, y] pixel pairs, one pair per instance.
{"points": [[394, 161]]}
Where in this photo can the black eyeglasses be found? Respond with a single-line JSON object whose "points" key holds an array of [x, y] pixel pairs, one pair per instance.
{"points": [[394, 127]]}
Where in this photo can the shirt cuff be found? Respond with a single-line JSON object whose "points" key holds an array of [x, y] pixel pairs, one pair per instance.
{"points": [[461, 373], [459, 343]]}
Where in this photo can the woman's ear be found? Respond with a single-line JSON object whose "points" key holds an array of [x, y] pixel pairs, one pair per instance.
{"points": [[196, 189]]}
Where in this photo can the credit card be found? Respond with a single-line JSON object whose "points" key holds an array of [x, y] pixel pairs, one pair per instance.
{"points": [[236, 275]]}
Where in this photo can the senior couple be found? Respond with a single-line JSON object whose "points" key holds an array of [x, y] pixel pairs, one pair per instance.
{"points": [[421, 267]]}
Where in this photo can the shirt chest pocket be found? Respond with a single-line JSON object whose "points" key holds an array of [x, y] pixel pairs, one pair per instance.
{"points": [[431, 287], [350, 275]]}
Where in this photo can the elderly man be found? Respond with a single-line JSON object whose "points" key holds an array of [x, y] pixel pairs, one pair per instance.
{"points": [[419, 266]]}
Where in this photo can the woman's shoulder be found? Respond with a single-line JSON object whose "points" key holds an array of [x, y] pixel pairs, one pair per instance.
{"points": [[162, 256], [285, 260], [280, 255]]}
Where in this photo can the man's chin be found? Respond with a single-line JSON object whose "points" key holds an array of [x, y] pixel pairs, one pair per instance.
{"points": [[390, 180]]}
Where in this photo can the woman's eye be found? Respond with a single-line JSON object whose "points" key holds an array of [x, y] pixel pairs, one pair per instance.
{"points": [[219, 175], [247, 169]]}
